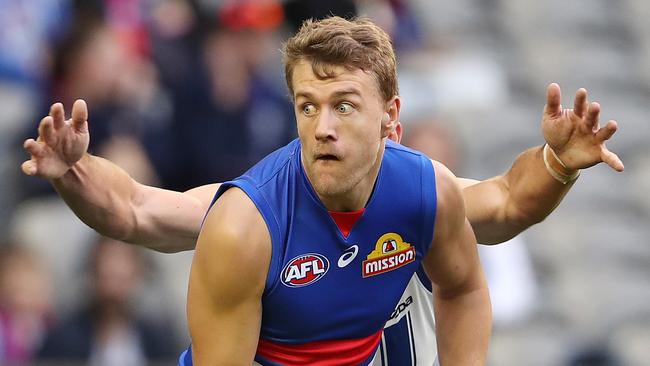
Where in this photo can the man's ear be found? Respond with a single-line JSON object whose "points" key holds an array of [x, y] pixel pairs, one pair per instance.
{"points": [[396, 135], [390, 119]]}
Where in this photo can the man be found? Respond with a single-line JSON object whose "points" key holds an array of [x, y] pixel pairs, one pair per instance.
{"points": [[272, 228], [579, 143]]}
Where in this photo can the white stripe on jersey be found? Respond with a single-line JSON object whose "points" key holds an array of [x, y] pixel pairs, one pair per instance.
{"points": [[416, 304]]}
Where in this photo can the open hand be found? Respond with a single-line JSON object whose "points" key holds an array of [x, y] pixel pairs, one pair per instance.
{"points": [[60, 143], [575, 134]]}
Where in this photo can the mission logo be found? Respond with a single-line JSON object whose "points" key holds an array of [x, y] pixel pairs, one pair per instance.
{"points": [[391, 252], [304, 270]]}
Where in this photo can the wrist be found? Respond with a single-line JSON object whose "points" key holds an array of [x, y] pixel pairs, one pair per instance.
{"points": [[73, 170], [556, 168]]}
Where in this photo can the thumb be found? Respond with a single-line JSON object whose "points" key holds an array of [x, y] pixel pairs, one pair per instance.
{"points": [[80, 115], [29, 167], [612, 160]]}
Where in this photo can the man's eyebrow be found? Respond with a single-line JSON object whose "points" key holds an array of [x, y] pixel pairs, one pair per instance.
{"points": [[344, 92], [337, 94], [303, 94]]}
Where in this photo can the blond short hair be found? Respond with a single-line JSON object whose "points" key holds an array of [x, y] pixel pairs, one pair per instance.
{"points": [[353, 44]]}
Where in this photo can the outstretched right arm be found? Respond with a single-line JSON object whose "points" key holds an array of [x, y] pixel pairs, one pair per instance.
{"points": [[107, 199], [104, 196]]}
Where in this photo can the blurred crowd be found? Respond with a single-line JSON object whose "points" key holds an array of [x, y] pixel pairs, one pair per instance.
{"points": [[188, 92]]}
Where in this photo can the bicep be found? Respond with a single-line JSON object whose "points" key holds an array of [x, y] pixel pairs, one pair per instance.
{"points": [[226, 284], [204, 194]]}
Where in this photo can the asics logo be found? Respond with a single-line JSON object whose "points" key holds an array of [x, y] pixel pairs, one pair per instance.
{"points": [[348, 256]]}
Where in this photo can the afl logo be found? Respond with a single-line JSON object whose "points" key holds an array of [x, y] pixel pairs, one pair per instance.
{"points": [[304, 270]]}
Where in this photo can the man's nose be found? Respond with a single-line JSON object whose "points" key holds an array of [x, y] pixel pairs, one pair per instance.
{"points": [[326, 125]]}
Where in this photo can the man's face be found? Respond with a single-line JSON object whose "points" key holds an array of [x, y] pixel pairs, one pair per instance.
{"points": [[342, 123]]}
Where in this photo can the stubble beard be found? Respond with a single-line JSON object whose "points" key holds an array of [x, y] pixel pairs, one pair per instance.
{"points": [[329, 185], [342, 182]]}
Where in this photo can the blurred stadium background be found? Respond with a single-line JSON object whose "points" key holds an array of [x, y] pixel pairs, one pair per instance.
{"points": [[187, 92]]}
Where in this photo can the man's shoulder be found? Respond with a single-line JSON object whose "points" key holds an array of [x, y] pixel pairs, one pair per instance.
{"points": [[235, 210], [234, 228], [272, 164], [404, 158], [402, 165], [447, 186], [264, 182], [397, 148]]}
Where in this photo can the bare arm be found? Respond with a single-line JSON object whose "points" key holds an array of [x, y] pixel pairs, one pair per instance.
{"points": [[501, 207], [104, 196], [227, 280], [460, 295], [107, 199]]}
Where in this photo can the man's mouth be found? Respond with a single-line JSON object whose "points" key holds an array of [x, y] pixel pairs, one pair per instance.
{"points": [[327, 157]]}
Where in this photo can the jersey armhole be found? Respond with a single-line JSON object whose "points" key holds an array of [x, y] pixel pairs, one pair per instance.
{"points": [[429, 201], [269, 218]]}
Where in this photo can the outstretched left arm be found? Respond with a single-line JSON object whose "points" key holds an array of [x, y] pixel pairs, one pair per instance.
{"points": [[501, 207]]}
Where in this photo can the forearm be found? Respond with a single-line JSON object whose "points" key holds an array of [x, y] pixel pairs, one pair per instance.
{"points": [[502, 207], [100, 193], [533, 192], [107, 199], [463, 327], [104, 196]]}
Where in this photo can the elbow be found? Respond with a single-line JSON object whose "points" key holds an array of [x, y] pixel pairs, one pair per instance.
{"points": [[521, 218], [116, 227], [510, 223], [120, 223], [533, 217]]}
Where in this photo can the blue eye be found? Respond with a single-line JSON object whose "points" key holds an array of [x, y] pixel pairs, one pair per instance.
{"points": [[308, 109], [344, 108]]}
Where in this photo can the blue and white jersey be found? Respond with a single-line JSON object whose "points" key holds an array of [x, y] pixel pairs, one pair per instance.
{"points": [[328, 296], [409, 337]]}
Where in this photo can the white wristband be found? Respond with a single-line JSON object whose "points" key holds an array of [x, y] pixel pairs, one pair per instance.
{"points": [[557, 168]]}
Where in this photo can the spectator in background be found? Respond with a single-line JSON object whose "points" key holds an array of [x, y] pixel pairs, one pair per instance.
{"points": [[233, 90], [25, 304], [107, 331], [297, 11], [93, 62], [179, 73], [27, 29]]}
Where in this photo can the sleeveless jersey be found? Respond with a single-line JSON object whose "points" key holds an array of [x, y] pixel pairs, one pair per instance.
{"points": [[409, 337], [327, 296]]}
